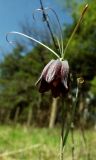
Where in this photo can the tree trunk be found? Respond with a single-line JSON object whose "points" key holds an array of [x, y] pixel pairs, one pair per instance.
{"points": [[81, 103], [81, 110], [7, 119], [29, 116], [53, 112], [16, 115]]}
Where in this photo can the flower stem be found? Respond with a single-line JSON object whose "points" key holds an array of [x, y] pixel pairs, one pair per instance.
{"points": [[62, 131], [71, 120], [73, 145]]}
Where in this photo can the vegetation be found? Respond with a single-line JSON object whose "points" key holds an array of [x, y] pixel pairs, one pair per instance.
{"points": [[23, 143], [22, 105], [19, 72]]}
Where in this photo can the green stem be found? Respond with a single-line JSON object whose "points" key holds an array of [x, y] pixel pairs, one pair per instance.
{"points": [[75, 29], [71, 120], [62, 131], [73, 145]]}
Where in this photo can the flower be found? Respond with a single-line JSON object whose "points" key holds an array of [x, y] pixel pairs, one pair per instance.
{"points": [[54, 77]]}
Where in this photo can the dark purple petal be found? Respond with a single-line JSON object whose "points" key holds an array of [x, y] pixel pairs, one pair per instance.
{"points": [[55, 91], [53, 71], [43, 86], [44, 72], [55, 76], [63, 90], [64, 68], [65, 73], [59, 90]]}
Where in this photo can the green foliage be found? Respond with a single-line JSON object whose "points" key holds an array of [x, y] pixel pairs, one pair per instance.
{"points": [[93, 86], [19, 72], [82, 50], [17, 80]]}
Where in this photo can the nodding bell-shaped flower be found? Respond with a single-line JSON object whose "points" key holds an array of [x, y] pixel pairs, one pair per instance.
{"points": [[54, 77]]}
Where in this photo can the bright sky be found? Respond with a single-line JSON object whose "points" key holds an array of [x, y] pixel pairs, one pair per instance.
{"points": [[14, 12]]}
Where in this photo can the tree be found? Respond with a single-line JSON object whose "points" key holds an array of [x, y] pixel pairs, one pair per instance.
{"points": [[19, 72], [17, 80]]}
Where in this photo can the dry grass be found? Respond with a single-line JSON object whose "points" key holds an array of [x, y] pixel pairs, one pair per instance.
{"points": [[21, 143]]}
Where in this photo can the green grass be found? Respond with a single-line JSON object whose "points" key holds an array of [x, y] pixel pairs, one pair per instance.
{"points": [[21, 143]]}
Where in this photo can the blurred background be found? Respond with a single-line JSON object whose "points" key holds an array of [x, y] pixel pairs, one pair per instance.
{"points": [[26, 116]]}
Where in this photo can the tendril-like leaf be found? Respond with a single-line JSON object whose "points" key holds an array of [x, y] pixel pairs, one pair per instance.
{"points": [[60, 45], [31, 38]]}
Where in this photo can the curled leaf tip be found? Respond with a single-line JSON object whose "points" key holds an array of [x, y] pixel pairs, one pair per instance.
{"points": [[80, 80], [85, 9], [86, 6], [30, 38]]}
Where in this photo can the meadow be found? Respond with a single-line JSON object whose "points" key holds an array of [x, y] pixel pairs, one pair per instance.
{"points": [[22, 143]]}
